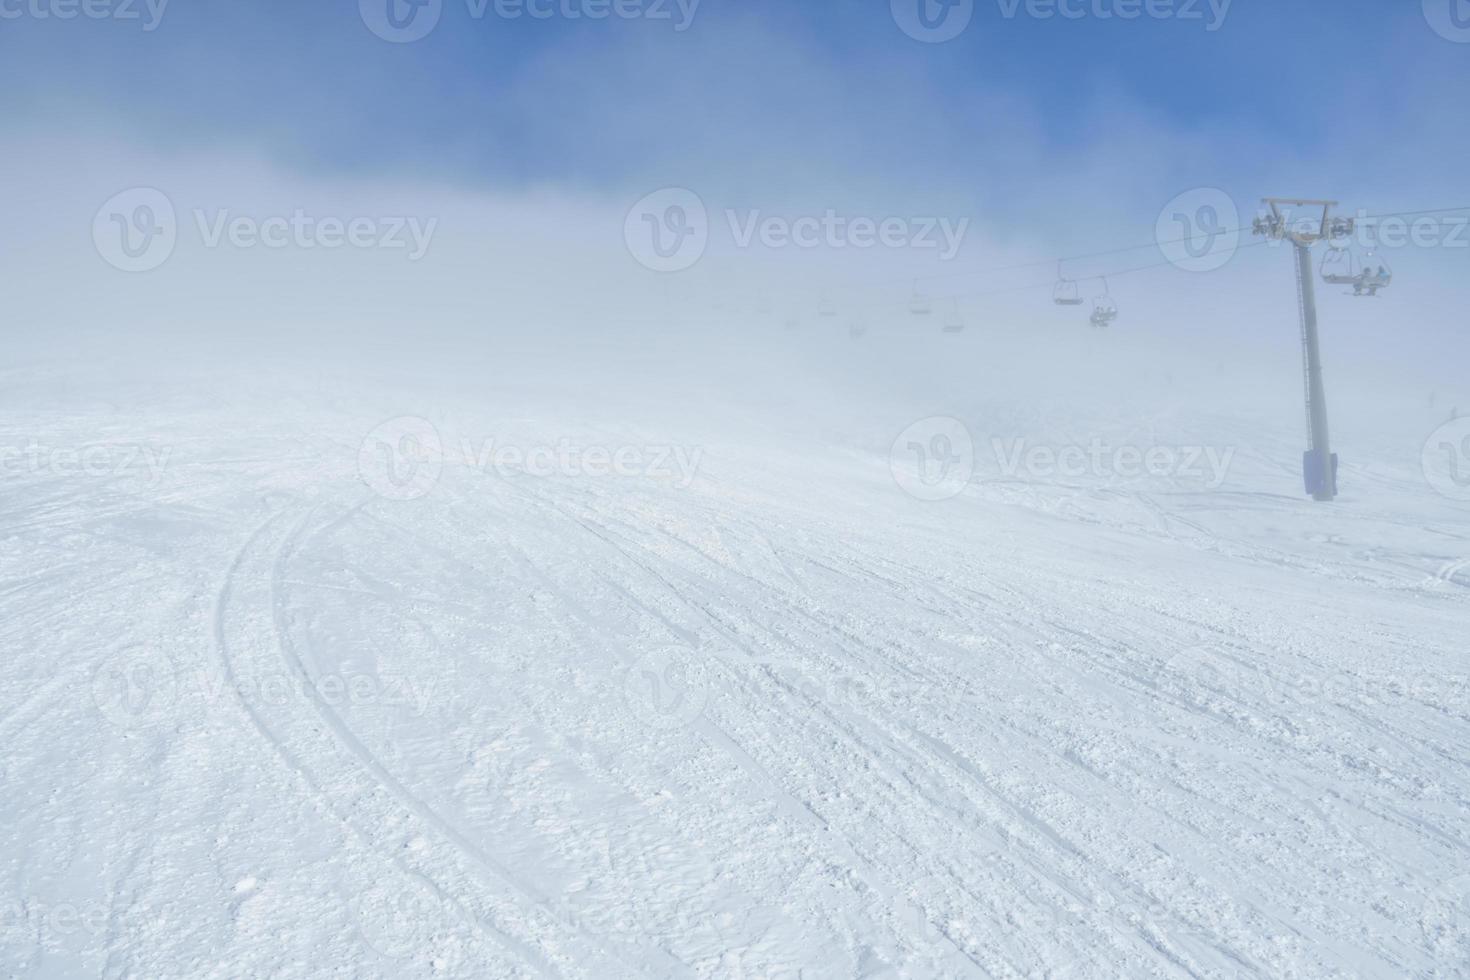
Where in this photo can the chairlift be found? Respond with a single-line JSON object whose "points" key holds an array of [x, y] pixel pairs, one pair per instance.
{"points": [[1339, 266], [955, 321], [1376, 275], [1374, 272], [1366, 273], [919, 304], [826, 308], [857, 329], [1104, 310], [1066, 292]]}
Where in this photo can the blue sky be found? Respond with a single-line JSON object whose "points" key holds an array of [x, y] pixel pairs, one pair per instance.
{"points": [[758, 94], [530, 140]]}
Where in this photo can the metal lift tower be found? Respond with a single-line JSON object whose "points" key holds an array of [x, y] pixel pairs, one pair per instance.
{"points": [[1319, 463]]}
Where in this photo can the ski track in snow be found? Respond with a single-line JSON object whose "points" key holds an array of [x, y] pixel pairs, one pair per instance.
{"points": [[783, 722]]}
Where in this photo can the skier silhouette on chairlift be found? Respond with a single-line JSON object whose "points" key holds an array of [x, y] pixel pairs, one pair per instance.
{"points": [[1104, 310]]}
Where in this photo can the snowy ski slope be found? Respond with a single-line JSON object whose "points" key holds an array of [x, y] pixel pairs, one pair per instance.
{"points": [[752, 711]]}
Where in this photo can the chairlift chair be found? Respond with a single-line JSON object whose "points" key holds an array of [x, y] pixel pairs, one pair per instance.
{"points": [[1340, 267], [1374, 273], [857, 330], [919, 304], [955, 321], [1066, 292], [826, 309], [1366, 273], [1104, 310]]}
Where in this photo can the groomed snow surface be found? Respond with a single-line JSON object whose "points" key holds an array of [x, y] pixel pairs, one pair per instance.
{"points": [[293, 689]]}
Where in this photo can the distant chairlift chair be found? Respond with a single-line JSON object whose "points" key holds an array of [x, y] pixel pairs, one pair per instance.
{"points": [[1066, 292], [955, 321], [919, 304], [1104, 310]]}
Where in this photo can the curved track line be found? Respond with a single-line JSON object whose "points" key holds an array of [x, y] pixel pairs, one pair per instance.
{"points": [[605, 958], [361, 807]]}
